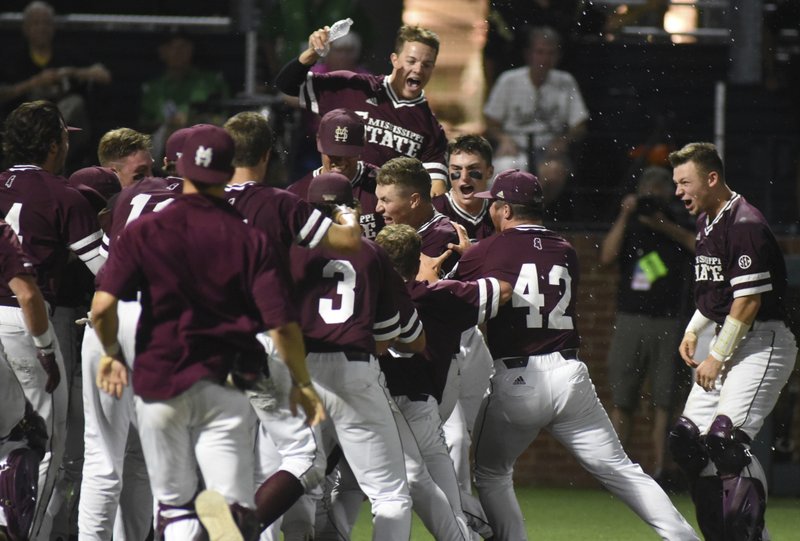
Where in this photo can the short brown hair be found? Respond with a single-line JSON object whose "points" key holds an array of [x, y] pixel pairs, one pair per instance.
{"points": [[403, 244], [408, 173], [30, 129], [703, 155], [470, 144], [120, 143], [408, 34], [252, 137]]}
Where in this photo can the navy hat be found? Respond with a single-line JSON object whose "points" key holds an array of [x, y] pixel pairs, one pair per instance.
{"points": [[515, 186], [341, 133], [330, 188], [102, 180], [207, 155]]}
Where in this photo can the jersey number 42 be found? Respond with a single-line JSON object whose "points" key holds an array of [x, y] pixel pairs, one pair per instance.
{"points": [[527, 295]]}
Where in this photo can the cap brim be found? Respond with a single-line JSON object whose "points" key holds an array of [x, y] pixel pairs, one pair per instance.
{"points": [[484, 195]]}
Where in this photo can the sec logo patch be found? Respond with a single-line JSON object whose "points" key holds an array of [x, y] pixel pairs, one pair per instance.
{"points": [[745, 262]]}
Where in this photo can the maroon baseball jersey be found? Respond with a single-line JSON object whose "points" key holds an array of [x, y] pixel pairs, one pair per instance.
{"points": [[50, 217], [394, 126], [478, 227], [282, 215], [347, 303], [209, 284], [363, 192], [543, 269], [446, 309], [436, 233], [737, 255], [148, 195], [13, 262]]}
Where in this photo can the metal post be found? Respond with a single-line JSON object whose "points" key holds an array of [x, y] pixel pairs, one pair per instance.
{"points": [[719, 117]]}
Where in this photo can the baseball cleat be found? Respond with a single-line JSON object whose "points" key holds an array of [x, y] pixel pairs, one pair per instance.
{"points": [[215, 515]]}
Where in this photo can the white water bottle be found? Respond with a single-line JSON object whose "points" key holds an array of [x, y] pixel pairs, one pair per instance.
{"points": [[337, 30]]}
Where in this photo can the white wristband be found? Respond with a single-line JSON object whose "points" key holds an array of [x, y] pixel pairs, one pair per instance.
{"points": [[45, 340], [112, 350], [729, 336], [697, 323]]}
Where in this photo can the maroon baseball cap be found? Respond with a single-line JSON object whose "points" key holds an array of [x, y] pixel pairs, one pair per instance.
{"points": [[207, 156], [101, 179], [341, 133], [515, 186], [330, 188], [174, 146]]}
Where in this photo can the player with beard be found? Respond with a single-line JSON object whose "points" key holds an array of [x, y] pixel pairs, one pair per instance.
{"points": [[469, 165], [340, 141], [740, 287], [51, 219], [399, 121], [539, 382]]}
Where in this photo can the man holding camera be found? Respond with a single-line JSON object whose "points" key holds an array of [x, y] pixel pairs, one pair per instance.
{"points": [[652, 244]]}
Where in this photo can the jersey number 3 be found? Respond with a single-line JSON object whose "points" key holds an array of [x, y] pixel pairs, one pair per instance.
{"points": [[526, 295], [345, 288]]}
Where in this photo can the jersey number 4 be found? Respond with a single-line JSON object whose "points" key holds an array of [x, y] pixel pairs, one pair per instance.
{"points": [[526, 295]]}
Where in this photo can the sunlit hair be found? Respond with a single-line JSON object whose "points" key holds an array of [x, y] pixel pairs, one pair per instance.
{"points": [[470, 144], [30, 130], [408, 173], [120, 143], [403, 244], [416, 34], [252, 137], [703, 155]]}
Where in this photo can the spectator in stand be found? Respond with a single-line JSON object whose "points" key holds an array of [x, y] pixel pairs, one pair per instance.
{"points": [[652, 241], [171, 101], [44, 71], [536, 113]]}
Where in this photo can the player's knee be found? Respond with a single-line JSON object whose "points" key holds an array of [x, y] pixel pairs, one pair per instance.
{"points": [[687, 448], [727, 446]]}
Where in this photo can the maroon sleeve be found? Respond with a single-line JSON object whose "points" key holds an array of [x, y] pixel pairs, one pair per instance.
{"points": [[13, 261], [80, 225], [395, 299], [122, 274]]}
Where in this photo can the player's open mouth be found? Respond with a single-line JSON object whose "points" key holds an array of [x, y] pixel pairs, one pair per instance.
{"points": [[467, 189], [414, 84]]}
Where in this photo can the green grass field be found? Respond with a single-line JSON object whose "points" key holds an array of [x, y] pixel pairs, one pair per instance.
{"points": [[565, 514]]}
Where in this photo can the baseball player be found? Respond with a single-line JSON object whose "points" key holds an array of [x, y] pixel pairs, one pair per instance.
{"points": [[740, 284], [340, 141], [211, 280], [539, 382], [128, 153], [469, 163], [351, 306], [399, 121], [113, 449], [447, 309], [291, 221], [23, 434], [51, 219]]}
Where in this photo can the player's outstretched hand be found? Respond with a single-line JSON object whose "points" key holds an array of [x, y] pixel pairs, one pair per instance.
{"points": [[687, 349], [463, 240], [47, 358], [112, 376], [707, 372], [309, 400]]}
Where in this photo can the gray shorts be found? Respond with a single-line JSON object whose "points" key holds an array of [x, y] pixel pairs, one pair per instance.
{"points": [[643, 345]]}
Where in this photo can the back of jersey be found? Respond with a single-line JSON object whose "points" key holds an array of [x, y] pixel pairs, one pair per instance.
{"points": [[50, 217], [348, 302], [148, 195]]}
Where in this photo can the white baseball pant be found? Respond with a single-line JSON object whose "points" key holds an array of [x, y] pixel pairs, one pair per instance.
{"points": [[557, 394]]}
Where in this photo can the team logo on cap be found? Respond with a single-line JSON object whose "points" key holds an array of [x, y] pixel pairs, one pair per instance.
{"points": [[203, 156], [500, 194], [328, 197], [340, 135]]}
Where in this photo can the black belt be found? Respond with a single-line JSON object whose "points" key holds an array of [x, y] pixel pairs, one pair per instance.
{"points": [[419, 397], [357, 356], [570, 354]]}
